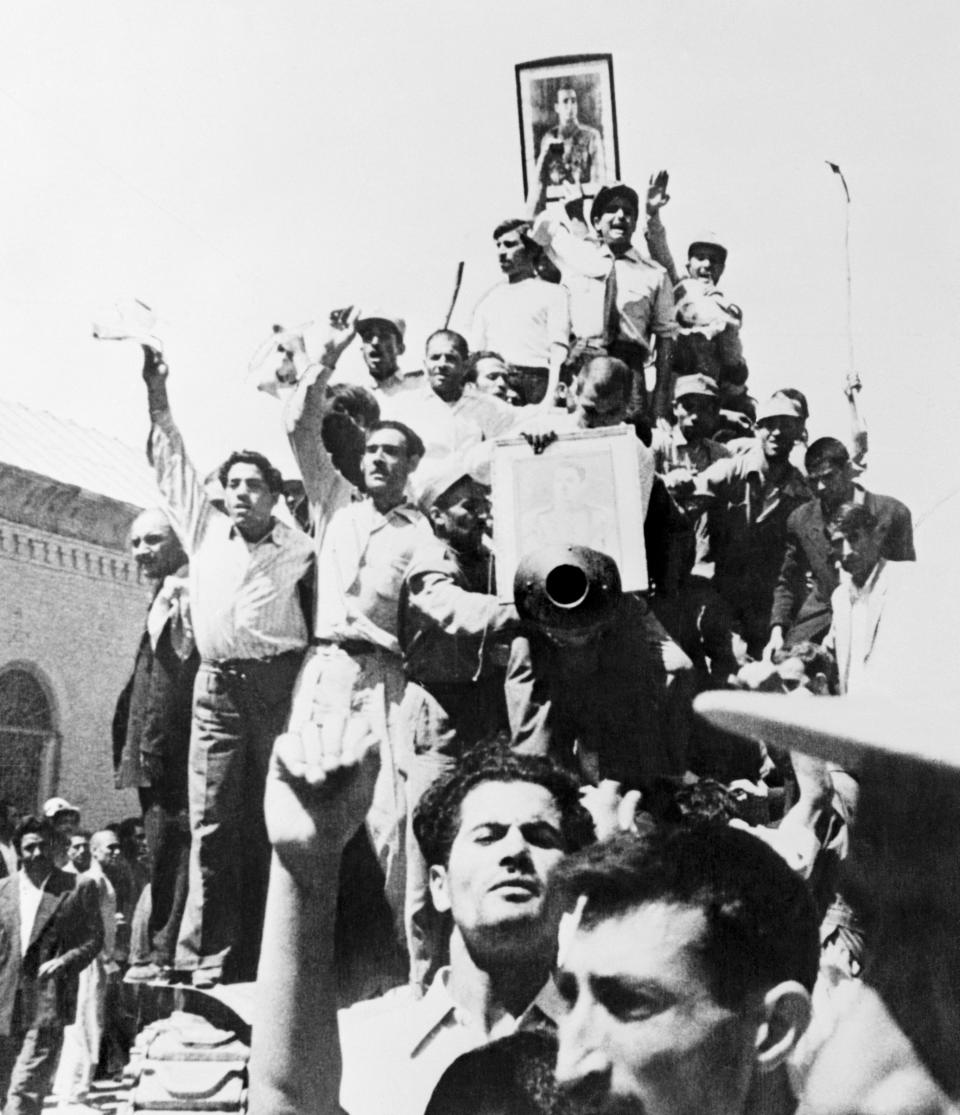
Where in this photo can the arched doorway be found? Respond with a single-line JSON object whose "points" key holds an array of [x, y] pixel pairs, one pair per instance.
{"points": [[28, 738]]}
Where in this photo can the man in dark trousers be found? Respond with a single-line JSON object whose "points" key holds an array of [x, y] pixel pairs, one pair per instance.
{"points": [[50, 929], [151, 734], [800, 612]]}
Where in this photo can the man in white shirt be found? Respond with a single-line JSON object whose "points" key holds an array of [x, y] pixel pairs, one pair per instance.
{"points": [[491, 831], [352, 678], [869, 589], [525, 319]]}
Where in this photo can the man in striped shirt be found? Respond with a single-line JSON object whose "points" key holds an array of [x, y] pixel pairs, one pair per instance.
{"points": [[248, 575]]}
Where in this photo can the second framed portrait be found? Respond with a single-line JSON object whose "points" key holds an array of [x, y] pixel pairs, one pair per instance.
{"points": [[583, 490], [568, 124]]}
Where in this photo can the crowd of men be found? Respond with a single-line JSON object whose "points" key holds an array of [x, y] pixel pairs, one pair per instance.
{"points": [[493, 834]]}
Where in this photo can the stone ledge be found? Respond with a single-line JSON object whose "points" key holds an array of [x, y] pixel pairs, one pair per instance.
{"points": [[54, 551]]}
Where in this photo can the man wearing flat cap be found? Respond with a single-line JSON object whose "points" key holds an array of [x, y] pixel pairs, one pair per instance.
{"points": [[382, 344], [619, 298], [685, 584], [753, 495], [454, 632]]}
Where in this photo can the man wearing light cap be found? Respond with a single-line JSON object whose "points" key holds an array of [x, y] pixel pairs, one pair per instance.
{"points": [[618, 296], [453, 632], [381, 343], [681, 453], [708, 333], [753, 495], [65, 819]]}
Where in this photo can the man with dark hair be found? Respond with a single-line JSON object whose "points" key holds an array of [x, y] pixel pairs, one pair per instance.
{"points": [[353, 671], [445, 359], [687, 960], [570, 151], [493, 375], [50, 930], [801, 612], [248, 571], [492, 831], [619, 298], [525, 318], [869, 586]]}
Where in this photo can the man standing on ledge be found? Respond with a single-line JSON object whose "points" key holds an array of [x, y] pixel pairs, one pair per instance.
{"points": [[151, 733], [247, 570]]}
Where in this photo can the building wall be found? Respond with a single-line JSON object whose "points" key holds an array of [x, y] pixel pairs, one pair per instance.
{"points": [[72, 612]]}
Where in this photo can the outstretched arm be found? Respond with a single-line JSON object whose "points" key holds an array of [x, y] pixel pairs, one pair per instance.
{"points": [[319, 790], [304, 411], [180, 486]]}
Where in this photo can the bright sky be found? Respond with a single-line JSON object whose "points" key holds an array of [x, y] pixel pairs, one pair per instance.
{"points": [[240, 163]]}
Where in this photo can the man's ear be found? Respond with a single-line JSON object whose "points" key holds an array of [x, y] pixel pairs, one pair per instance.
{"points": [[786, 1011], [438, 888]]}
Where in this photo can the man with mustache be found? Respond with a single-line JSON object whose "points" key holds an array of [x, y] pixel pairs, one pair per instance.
{"points": [[353, 670], [491, 831]]}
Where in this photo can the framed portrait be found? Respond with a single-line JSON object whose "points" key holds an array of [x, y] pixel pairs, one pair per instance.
{"points": [[568, 123], [583, 490]]}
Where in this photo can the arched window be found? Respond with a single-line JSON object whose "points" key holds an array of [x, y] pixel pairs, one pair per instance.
{"points": [[27, 737]]}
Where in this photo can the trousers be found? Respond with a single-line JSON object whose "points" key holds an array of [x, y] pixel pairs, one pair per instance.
{"points": [[239, 709], [28, 1061]]}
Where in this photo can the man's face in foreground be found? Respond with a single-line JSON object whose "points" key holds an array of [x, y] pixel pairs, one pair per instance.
{"points": [[644, 1034], [508, 842]]}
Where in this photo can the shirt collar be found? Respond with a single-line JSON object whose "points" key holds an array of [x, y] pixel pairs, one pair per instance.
{"points": [[437, 1009], [268, 537], [868, 585]]}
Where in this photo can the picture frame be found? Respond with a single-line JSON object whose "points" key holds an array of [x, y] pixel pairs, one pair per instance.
{"points": [[568, 123], [584, 489]]}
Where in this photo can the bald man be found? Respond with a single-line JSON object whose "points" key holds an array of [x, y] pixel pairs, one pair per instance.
{"points": [[151, 733]]}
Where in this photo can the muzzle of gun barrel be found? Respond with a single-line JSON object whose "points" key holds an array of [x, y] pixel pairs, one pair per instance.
{"points": [[567, 587]]}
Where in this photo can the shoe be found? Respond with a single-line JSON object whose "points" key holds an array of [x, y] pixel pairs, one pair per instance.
{"points": [[143, 973], [205, 978]]}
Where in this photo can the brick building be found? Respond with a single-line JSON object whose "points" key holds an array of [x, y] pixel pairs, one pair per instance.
{"points": [[72, 608]]}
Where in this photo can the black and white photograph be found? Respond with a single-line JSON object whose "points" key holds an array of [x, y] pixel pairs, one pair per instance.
{"points": [[479, 638]]}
